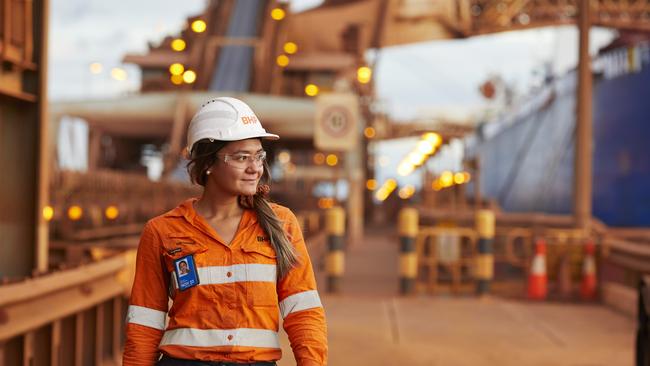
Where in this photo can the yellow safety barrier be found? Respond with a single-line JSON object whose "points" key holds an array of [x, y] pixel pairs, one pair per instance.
{"points": [[408, 261], [335, 260], [484, 269]]}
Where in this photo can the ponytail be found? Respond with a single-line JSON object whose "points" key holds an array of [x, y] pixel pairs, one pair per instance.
{"points": [[286, 254]]}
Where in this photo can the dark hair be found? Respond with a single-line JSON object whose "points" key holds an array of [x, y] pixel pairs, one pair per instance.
{"points": [[202, 156]]}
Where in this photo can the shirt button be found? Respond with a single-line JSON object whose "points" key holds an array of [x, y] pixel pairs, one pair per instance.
{"points": [[230, 337], [229, 274]]}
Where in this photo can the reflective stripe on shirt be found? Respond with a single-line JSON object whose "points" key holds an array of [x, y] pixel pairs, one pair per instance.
{"points": [[300, 301], [145, 316], [245, 337], [218, 275]]}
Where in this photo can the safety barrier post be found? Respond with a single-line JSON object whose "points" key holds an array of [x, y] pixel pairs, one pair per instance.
{"points": [[408, 261], [589, 285], [335, 261], [484, 271]]}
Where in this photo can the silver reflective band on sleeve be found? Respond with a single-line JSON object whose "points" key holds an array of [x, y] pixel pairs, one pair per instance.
{"points": [[245, 337], [300, 301], [145, 316]]}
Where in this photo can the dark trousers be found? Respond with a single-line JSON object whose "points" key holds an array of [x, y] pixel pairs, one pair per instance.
{"points": [[168, 361]]}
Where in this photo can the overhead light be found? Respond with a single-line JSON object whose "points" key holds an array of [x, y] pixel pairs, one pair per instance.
{"points": [[290, 48], [277, 14], [199, 26], [311, 90], [189, 76], [178, 45], [176, 69]]}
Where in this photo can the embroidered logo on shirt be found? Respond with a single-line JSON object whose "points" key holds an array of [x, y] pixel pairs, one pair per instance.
{"points": [[262, 238], [174, 251]]}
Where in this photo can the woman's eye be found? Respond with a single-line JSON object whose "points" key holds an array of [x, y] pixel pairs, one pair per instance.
{"points": [[241, 158]]}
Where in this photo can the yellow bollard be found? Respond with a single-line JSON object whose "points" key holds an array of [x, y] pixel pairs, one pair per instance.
{"points": [[335, 260], [407, 226], [484, 270]]}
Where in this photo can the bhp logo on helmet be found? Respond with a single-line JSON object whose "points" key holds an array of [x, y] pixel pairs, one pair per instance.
{"points": [[247, 120]]}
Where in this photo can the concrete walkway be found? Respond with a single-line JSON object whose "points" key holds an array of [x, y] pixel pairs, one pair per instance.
{"points": [[370, 325]]}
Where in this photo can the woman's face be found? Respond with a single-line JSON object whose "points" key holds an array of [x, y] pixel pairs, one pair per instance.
{"points": [[236, 180]]}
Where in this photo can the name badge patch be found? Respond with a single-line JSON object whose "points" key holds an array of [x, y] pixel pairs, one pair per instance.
{"points": [[186, 274]]}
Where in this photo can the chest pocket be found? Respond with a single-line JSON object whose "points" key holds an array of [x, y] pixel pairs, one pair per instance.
{"points": [[261, 274], [178, 245]]}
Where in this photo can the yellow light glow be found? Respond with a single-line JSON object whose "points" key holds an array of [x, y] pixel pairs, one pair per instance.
{"points": [[467, 177], [48, 213], [178, 45], [199, 26], [319, 158], [364, 74], [325, 202], [386, 189], [111, 212], [406, 192], [416, 158], [189, 76], [284, 157], [369, 132], [118, 74], [405, 169], [277, 14], [433, 137], [332, 160], [311, 90], [282, 60], [459, 178], [436, 185], [426, 147], [290, 48], [177, 79], [75, 213], [96, 68], [371, 184], [446, 179], [176, 69]]}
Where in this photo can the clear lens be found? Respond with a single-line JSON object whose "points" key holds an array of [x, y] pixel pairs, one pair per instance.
{"points": [[242, 161]]}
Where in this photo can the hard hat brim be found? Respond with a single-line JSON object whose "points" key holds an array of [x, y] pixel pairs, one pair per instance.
{"points": [[263, 136]]}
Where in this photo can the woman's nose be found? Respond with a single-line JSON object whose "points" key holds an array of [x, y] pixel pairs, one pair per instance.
{"points": [[253, 167]]}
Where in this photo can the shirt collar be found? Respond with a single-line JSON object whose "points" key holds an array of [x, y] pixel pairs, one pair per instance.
{"points": [[186, 209]]}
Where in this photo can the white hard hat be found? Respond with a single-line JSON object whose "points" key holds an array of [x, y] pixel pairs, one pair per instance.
{"points": [[225, 119]]}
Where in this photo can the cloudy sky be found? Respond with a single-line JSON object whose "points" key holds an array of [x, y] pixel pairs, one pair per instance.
{"points": [[415, 80]]}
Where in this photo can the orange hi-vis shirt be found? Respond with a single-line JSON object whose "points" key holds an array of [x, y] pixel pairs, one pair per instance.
{"points": [[233, 314]]}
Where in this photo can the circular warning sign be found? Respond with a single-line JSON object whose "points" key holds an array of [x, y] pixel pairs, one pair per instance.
{"points": [[336, 121]]}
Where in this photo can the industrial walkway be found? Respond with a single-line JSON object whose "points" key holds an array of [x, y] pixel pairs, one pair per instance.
{"points": [[370, 325]]}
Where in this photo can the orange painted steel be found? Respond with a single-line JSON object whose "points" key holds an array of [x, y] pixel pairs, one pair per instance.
{"points": [[65, 308]]}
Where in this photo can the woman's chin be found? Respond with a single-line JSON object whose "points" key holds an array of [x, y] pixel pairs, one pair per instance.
{"points": [[248, 191]]}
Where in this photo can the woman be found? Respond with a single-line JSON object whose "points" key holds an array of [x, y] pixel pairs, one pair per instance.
{"points": [[246, 261]]}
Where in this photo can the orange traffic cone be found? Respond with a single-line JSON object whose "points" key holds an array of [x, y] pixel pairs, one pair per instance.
{"points": [[588, 285], [537, 279]]}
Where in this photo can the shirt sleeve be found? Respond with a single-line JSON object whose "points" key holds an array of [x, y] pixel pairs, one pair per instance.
{"points": [[300, 305], [145, 321]]}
